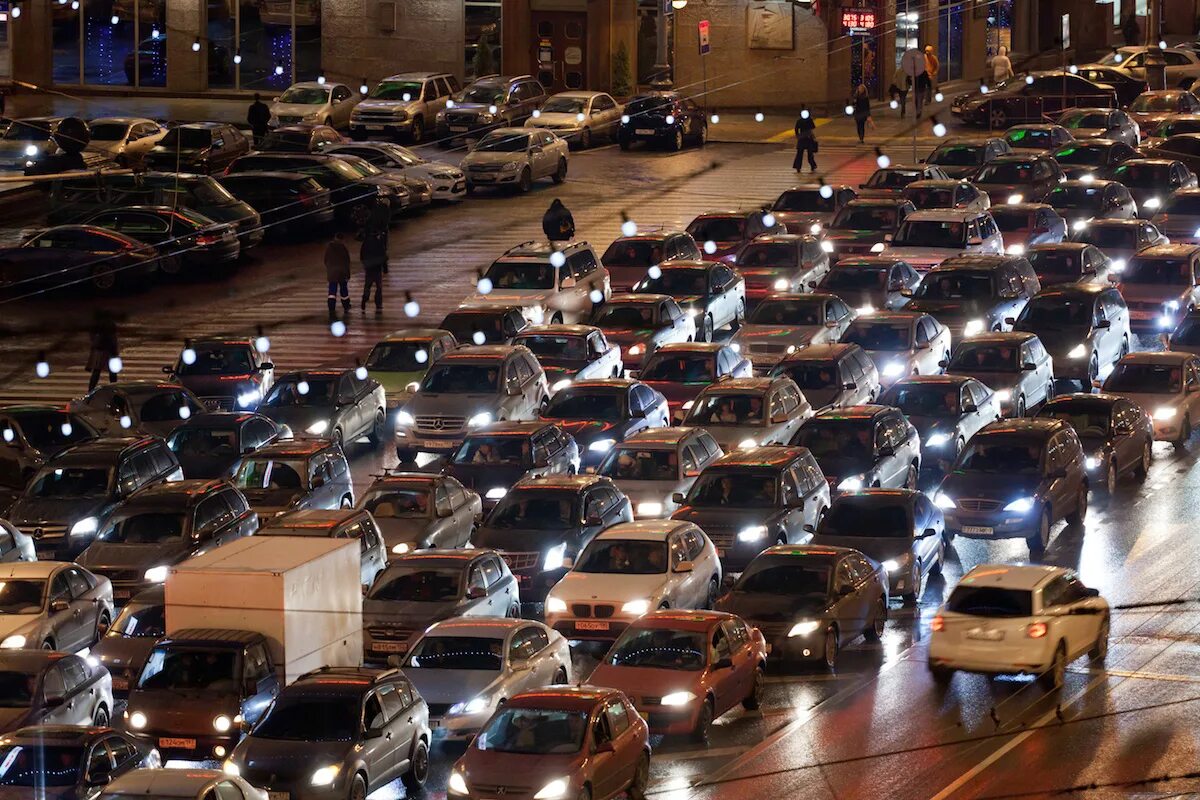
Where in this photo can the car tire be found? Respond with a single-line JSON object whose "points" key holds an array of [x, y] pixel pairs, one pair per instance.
{"points": [[1110, 478], [874, 631], [560, 174], [1099, 650], [1052, 678], [753, 701], [1019, 408], [416, 133], [941, 675], [560, 677], [704, 722], [418, 770], [378, 434], [936, 568], [710, 597], [641, 778], [997, 118], [706, 333], [525, 182], [102, 624], [677, 140], [1079, 512], [1142, 470], [100, 717], [1038, 541], [357, 789], [739, 315], [585, 139], [912, 477], [1185, 431], [347, 502], [702, 137], [514, 611], [104, 278], [829, 650]]}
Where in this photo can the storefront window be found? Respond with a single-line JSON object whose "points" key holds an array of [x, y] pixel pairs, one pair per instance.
{"points": [[308, 39], [482, 38], [5, 53], [108, 42], [908, 24], [65, 22], [222, 44], [950, 43], [265, 43]]}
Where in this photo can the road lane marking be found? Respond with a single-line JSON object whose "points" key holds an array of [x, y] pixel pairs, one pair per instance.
{"points": [[783, 136], [692, 755], [1140, 674]]}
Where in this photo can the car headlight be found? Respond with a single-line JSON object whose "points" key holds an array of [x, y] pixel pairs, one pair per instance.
{"points": [[752, 534], [560, 385], [1164, 413], [230, 768], [319, 427], [1016, 198], [936, 440], [942, 500], [14, 642], [1079, 225], [412, 386], [31, 150], [782, 285], [156, 574], [1091, 462], [313, 117], [891, 565], [1004, 395], [482, 418], [222, 724], [1016, 249], [893, 369], [85, 526], [637, 350], [555, 605], [735, 347], [1078, 351], [649, 509], [678, 698], [804, 628], [325, 776], [554, 789], [851, 484], [638, 607], [1171, 305], [827, 246], [1117, 265], [693, 312], [878, 247], [864, 310], [602, 445], [1021, 505], [472, 706], [1152, 202], [138, 721], [496, 493], [973, 327], [402, 548], [406, 419], [456, 784], [247, 399], [554, 557], [747, 444], [509, 166]]}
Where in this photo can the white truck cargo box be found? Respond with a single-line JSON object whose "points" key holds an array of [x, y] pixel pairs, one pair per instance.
{"points": [[302, 593]]}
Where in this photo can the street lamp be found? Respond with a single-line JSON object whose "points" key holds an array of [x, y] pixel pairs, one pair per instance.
{"points": [[679, 4]]}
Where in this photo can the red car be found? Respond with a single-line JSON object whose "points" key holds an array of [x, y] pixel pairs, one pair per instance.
{"points": [[684, 669], [680, 370]]}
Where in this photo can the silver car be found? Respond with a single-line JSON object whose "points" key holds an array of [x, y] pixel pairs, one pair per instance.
{"points": [[314, 103], [405, 104], [579, 117], [52, 605], [419, 510], [958, 194], [447, 181], [1085, 328], [549, 281], [745, 413], [901, 343], [124, 139], [49, 688], [338, 404], [1015, 365], [1120, 239], [783, 324], [1102, 123], [947, 410], [1160, 285], [652, 466], [570, 353], [466, 668], [871, 283], [832, 375], [515, 157], [181, 784]]}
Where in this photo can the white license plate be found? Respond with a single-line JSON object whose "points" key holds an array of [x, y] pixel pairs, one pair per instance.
{"points": [[643, 132], [978, 530], [389, 647], [278, 796], [583, 625], [370, 128], [458, 128], [434, 444], [168, 743], [985, 635], [120, 684]]}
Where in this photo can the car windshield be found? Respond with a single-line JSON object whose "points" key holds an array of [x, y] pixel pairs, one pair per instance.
{"points": [[28, 131], [865, 218], [810, 375], [554, 347], [21, 596], [1005, 172], [305, 95], [681, 368], [217, 361], [306, 716], [855, 279], [741, 488], [985, 357], [644, 105], [475, 328], [1188, 204], [271, 473], [769, 254], [412, 356], [508, 450], [1004, 455], [641, 465], [457, 652], [863, 515], [990, 601], [1037, 138], [586, 404], [158, 527], [1012, 220], [727, 408], [623, 557], [659, 648], [533, 731], [1150, 102], [108, 131], [302, 392], [521, 275], [1084, 119], [140, 622], [950, 285], [565, 105], [1089, 418], [483, 93], [1117, 237], [536, 509], [1082, 155], [789, 312], [1080, 196], [837, 439], [397, 90], [497, 142], [717, 229], [66, 482], [957, 155], [798, 579], [1187, 332], [932, 233], [398, 503], [49, 429], [1170, 127], [1057, 266], [879, 335], [1149, 378], [415, 584], [626, 317], [1142, 176], [924, 399], [892, 178], [462, 379], [633, 253], [1162, 271], [175, 667], [803, 200], [676, 282], [38, 765], [930, 197], [186, 139], [1056, 312]]}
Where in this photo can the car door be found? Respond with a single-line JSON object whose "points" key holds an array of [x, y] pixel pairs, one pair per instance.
{"points": [[99, 768], [848, 608], [259, 680], [374, 553], [1062, 490], [1127, 444], [925, 547], [529, 658], [378, 741], [84, 610], [799, 504], [479, 602], [53, 698], [723, 680], [1191, 387], [686, 588], [887, 457], [349, 412], [626, 742], [399, 729], [606, 767]]}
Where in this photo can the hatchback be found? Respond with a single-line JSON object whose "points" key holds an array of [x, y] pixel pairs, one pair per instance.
{"points": [[712, 294], [784, 262], [946, 410], [1119, 239], [745, 413], [1164, 385], [870, 283], [1014, 365], [1080, 201], [901, 343], [974, 294], [1023, 225], [641, 323], [188, 241], [492, 458], [1152, 180], [515, 158], [1019, 178], [1085, 329], [420, 511], [599, 414], [338, 404], [890, 181], [783, 324], [289, 476], [570, 353], [69, 762], [861, 227], [1116, 434], [663, 118], [927, 238], [863, 446], [806, 209], [680, 371], [722, 233], [1092, 159], [628, 257], [652, 466]]}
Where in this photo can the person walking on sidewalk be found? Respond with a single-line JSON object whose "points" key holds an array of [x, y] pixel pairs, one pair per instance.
{"points": [[557, 222], [806, 141], [932, 67], [104, 348], [1002, 68], [258, 117], [337, 273], [901, 84], [374, 257], [862, 111]]}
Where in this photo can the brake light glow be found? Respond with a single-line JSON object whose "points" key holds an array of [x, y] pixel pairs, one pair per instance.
{"points": [[938, 624]]}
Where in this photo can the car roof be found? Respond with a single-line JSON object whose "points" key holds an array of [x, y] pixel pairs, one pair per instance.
{"points": [[1027, 207], [891, 316], [1054, 246], [222, 637], [944, 214], [690, 347], [581, 698], [658, 436], [437, 558], [879, 201], [1074, 290], [650, 530], [119, 120], [826, 552], [1001, 337], [614, 384], [1036, 427], [1011, 576], [557, 330], [937, 183], [313, 85], [311, 518], [974, 261], [28, 660], [861, 411], [631, 299], [106, 446], [219, 419], [481, 352], [295, 447], [1017, 158], [54, 734], [740, 385], [514, 428], [1168, 250], [1099, 398], [477, 627], [578, 93], [155, 783], [1160, 357], [415, 75], [697, 620], [772, 457], [944, 380], [410, 334], [174, 494], [1072, 183], [563, 482]]}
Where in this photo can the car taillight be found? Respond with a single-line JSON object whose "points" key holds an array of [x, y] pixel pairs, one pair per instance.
{"points": [[938, 624], [1036, 630], [206, 239], [306, 199]]}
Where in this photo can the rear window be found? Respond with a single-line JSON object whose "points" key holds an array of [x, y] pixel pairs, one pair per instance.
{"points": [[990, 601]]}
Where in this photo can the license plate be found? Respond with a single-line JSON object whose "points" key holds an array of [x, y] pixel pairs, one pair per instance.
{"points": [[278, 796], [985, 635], [458, 128], [370, 128], [643, 132], [978, 530], [389, 647], [121, 594], [120, 684], [434, 444], [1141, 314], [591, 626], [177, 744]]}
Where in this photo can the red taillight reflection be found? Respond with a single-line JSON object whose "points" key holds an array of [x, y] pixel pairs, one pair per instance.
{"points": [[1036, 630]]}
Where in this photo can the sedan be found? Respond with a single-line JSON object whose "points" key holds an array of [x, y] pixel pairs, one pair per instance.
{"points": [[1152, 107], [341, 405], [1152, 180], [187, 240], [570, 353], [494, 457], [1120, 239], [1182, 147], [665, 118], [1080, 201], [652, 467], [946, 410], [1172, 126], [1037, 137], [1017, 178], [213, 444], [1117, 435], [1085, 327], [901, 343], [127, 643], [225, 373], [868, 283], [891, 181], [75, 256], [1022, 225], [601, 414], [1031, 99], [53, 688], [783, 324], [641, 323], [125, 140], [712, 293], [806, 209], [69, 762], [1164, 385], [447, 180], [420, 511], [314, 102], [1070, 262], [862, 226], [31, 435], [722, 233], [960, 158], [863, 446], [781, 263], [680, 371], [180, 784], [293, 205], [929, 194], [515, 158], [307, 138], [53, 605], [1111, 124], [484, 324], [147, 407], [1014, 365], [745, 413], [628, 257], [579, 117], [1093, 158]]}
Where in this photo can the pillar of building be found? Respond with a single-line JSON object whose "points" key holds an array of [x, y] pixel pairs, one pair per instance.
{"points": [[31, 42], [187, 69], [623, 30]]}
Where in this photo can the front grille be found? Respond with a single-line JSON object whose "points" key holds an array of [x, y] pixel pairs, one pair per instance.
{"points": [[289, 120], [438, 709], [50, 534], [440, 424], [460, 119], [721, 539], [498, 789], [484, 168], [217, 403], [651, 700], [773, 630], [396, 634], [597, 610], [581, 609], [977, 504], [521, 561], [380, 115]]}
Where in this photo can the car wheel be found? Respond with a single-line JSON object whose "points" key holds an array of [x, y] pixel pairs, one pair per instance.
{"points": [[560, 677], [104, 277], [358, 788], [329, 122], [702, 137], [738, 316], [1099, 650], [874, 631], [560, 174], [585, 139], [1052, 678], [1077, 515], [706, 333], [936, 569], [830, 651], [1124, 347], [406, 455], [1093, 373], [557, 318], [379, 430], [941, 675], [48, 645], [1110, 478], [997, 118], [417, 132], [1143, 467], [100, 716], [102, 624], [525, 182], [1020, 406], [910, 479], [336, 437], [1037, 543], [418, 770], [641, 777], [1185, 431], [753, 701], [703, 723], [170, 265], [347, 502], [677, 141], [710, 597]]}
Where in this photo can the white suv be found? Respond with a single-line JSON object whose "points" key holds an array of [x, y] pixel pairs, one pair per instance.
{"points": [[552, 283], [927, 238]]}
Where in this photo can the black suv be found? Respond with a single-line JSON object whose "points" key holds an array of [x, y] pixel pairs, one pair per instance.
{"points": [[213, 445], [663, 118], [201, 147], [493, 101]]}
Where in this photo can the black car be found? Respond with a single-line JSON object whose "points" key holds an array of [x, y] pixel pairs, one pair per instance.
{"points": [[1078, 201], [124, 647], [67, 762], [809, 602], [864, 223], [628, 258], [1019, 178], [199, 147], [1184, 147], [946, 410], [1152, 180], [291, 203], [863, 446], [484, 324], [723, 233], [187, 240], [225, 372], [351, 195], [1094, 157], [29, 435], [1030, 98], [151, 407], [1068, 262], [872, 282], [212, 445], [1171, 126], [76, 257], [666, 118], [713, 293], [960, 158], [1040, 136], [1117, 435], [1127, 85], [601, 413], [299, 139]]}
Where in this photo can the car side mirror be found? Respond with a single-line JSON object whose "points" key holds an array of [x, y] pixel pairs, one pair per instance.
{"points": [[848, 386], [928, 532], [568, 562], [1029, 366], [476, 592], [945, 362], [102, 779], [1058, 473], [969, 406], [266, 365], [906, 292], [568, 282], [723, 663], [1103, 324], [444, 512], [1010, 320], [779, 418], [677, 497], [810, 528], [1090, 592], [594, 520], [605, 747], [318, 482], [373, 733], [975, 241], [59, 605], [887, 451], [845, 588], [683, 566], [53, 701]]}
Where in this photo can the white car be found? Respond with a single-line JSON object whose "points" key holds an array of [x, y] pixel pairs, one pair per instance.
{"points": [[551, 282], [1029, 620], [313, 103], [1165, 385], [515, 158], [744, 413], [448, 181], [464, 668], [579, 117], [632, 568], [901, 343], [180, 784], [927, 238], [1183, 64], [654, 465], [124, 139]]}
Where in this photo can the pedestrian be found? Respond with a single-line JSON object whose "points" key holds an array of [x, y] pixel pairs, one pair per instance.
{"points": [[258, 117], [1002, 68], [806, 141], [932, 67], [862, 110], [374, 257], [104, 348], [557, 222], [901, 84], [1130, 29], [337, 273]]}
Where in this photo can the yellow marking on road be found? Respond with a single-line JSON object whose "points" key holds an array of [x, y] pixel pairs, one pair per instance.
{"points": [[1148, 676], [783, 136]]}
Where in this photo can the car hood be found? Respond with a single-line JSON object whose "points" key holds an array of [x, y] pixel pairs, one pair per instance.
{"points": [[287, 758], [988, 485], [755, 608], [466, 405], [1076, 171], [383, 105], [1150, 291], [396, 382], [123, 652], [802, 221], [945, 308], [17, 623], [1148, 400], [492, 767], [877, 547], [629, 336], [268, 501], [819, 398], [999, 192], [798, 335], [406, 613], [842, 235], [996, 381], [927, 425], [297, 109], [603, 586], [298, 418], [548, 118], [110, 556], [587, 431], [220, 385], [722, 517], [13, 148], [959, 171], [655, 682], [30, 511], [451, 685], [511, 297], [482, 477], [481, 157], [13, 718], [521, 540], [921, 253], [397, 530]]}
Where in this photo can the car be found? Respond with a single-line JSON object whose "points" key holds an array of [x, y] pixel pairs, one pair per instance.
{"points": [[212, 444], [800, 208], [48, 687], [28, 139], [224, 373], [467, 668], [586, 740], [1119, 239], [868, 283], [489, 103], [1186, 336], [1019, 178], [1117, 435], [1025, 619], [1182, 147], [951, 193], [377, 711], [1023, 225], [901, 343], [200, 147], [1080, 201], [419, 589], [76, 257], [186, 240], [684, 669], [711, 293], [927, 238], [541, 524], [421, 511], [751, 499], [973, 294], [1164, 385], [1091, 159], [340, 404], [654, 465], [861, 227], [831, 375], [1153, 107], [960, 158], [69, 762], [1045, 479], [1178, 217], [1015, 365], [1171, 126], [1031, 98], [569, 353], [406, 192], [785, 262], [515, 157], [293, 475], [466, 389], [724, 233], [630, 569], [1085, 328], [493, 457], [342, 523], [125, 140], [1127, 86], [306, 138], [746, 413], [1109, 124], [1038, 137], [352, 194], [640, 323], [161, 526], [53, 605], [892, 180], [662, 118], [15, 545], [550, 282], [400, 360], [601, 413], [785, 323], [154, 408], [680, 370], [75, 491], [124, 647], [810, 602], [406, 104], [1152, 180], [947, 410], [314, 103], [1161, 284], [180, 784], [579, 117], [448, 182], [863, 446], [32, 434], [1071, 263], [484, 323], [628, 258]]}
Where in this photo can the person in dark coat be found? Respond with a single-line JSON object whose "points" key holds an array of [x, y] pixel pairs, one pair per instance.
{"points": [[557, 222], [337, 273], [1130, 29], [104, 347], [862, 110], [806, 141], [258, 118], [374, 257]]}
